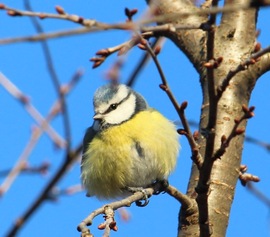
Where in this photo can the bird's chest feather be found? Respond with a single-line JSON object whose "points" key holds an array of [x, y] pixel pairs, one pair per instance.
{"points": [[116, 146], [122, 151]]}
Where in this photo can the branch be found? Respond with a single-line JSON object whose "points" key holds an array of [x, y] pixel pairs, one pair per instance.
{"points": [[142, 62], [262, 197], [46, 36], [109, 209], [36, 134], [27, 169], [34, 113], [42, 15], [70, 158], [54, 77], [22, 160], [188, 204], [205, 173], [55, 192], [93, 25], [122, 49], [90, 22], [62, 15], [249, 139], [255, 57], [196, 156], [211, 80], [137, 196], [258, 142], [225, 141]]}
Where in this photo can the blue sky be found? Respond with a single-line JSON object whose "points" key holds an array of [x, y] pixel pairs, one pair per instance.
{"points": [[24, 65]]}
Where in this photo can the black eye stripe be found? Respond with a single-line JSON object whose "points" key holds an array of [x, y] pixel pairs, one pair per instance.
{"points": [[115, 105]]}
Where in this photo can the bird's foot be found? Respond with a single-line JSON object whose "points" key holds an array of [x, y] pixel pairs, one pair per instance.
{"points": [[144, 201], [160, 186]]}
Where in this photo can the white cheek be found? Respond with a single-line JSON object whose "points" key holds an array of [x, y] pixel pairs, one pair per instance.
{"points": [[123, 112], [122, 93]]}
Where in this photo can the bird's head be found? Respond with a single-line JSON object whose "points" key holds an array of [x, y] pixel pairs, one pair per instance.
{"points": [[115, 104]]}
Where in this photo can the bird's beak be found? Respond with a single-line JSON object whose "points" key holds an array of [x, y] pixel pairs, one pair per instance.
{"points": [[97, 116]]}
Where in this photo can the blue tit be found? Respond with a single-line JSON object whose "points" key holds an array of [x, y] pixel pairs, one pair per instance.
{"points": [[128, 145]]}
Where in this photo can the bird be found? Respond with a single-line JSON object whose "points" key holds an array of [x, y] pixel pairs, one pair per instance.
{"points": [[129, 145]]}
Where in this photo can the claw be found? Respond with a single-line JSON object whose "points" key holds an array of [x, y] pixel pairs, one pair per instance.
{"points": [[144, 201], [163, 184]]}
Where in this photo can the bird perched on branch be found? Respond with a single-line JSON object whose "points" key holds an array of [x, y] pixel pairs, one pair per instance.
{"points": [[129, 145]]}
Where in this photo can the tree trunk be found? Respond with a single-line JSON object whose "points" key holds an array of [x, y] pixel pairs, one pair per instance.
{"points": [[213, 184]]}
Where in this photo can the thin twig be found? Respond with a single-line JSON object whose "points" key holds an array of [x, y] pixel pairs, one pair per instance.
{"points": [[123, 48], [196, 156], [241, 67], [126, 202], [170, 28], [18, 166], [27, 169], [42, 15], [84, 30], [36, 134], [142, 62], [250, 139], [148, 20], [205, 171], [236, 131], [68, 162], [261, 196], [54, 77], [34, 113], [258, 142], [46, 36], [93, 25]]}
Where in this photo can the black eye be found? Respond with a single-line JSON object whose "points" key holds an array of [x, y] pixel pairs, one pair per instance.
{"points": [[113, 106]]}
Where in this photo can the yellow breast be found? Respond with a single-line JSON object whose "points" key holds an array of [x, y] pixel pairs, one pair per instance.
{"points": [[134, 154]]}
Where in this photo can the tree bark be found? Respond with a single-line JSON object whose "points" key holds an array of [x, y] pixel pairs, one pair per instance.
{"points": [[213, 184]]}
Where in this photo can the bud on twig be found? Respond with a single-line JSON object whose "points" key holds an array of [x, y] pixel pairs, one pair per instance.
{"points": [[113, 226], [157, 50], [103, 52], [101, 226], [60, 10], [42, 16], [182, 131], [239, 131], [163, 87], [130, 13], [223, 139], [243, 168], [257, 47], [244, 108], [13, 13], [184, 105], [196, 135]]}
